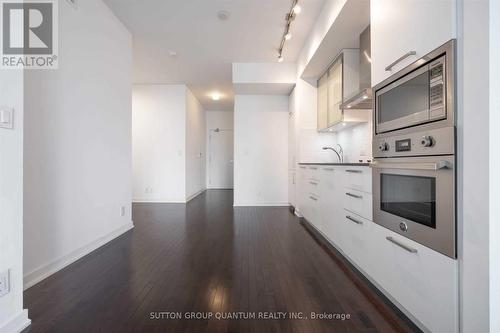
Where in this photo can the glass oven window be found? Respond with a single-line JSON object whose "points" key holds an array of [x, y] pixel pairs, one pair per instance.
{"points": [[405, 100], [410, 197]]}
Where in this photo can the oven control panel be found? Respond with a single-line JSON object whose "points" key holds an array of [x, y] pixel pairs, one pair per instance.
{"points": [[433, 142]]}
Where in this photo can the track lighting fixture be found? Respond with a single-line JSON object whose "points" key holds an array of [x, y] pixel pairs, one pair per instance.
{"points": [[287, 35]]}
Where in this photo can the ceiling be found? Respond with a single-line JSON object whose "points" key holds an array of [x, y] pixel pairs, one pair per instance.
{"points": [[206, 46]]}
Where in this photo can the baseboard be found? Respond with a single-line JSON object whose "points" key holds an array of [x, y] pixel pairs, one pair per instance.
{"points": [[191, 197], [170, 200], [18, 323], [261, 204], [47, 270], [162, 201]]}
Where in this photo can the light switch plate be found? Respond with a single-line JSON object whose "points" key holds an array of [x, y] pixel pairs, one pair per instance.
{"points": [[4, 283], [6, 117]]}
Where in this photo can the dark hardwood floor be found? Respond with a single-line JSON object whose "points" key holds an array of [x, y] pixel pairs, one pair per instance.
{"points": [[208, 257]]}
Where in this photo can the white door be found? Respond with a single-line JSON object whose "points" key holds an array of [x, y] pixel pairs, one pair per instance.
{"points": [[220, 159]]}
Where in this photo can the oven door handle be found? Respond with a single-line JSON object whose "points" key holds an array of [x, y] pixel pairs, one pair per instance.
{"points": [[414, 166]]}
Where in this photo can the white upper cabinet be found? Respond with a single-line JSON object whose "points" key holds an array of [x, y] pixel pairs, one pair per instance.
{"points": [[323, 101], [340, 81], [404, 27]]}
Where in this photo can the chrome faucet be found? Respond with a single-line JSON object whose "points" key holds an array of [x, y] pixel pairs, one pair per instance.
{"points": [[339, 152]]}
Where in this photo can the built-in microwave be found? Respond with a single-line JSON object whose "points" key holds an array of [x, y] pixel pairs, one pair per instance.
{"points": [[422, 93]]}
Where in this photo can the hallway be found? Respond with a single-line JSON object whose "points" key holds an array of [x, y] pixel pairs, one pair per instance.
{"points": [[207, 257]]}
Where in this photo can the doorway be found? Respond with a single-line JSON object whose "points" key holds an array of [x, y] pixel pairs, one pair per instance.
{"points": [[221, 159]]}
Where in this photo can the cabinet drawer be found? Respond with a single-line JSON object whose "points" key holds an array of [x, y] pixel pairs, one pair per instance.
{"points": [[314, 215], [313, 187], [358, 178], [356, 239], [420, 279], [313, 172], [359, 203]]}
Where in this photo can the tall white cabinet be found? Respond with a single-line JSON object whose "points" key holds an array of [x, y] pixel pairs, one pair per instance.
{"points": [[404, 27]]}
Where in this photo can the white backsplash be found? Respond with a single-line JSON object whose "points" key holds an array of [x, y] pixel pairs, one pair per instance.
{"points": [[356, 142]]}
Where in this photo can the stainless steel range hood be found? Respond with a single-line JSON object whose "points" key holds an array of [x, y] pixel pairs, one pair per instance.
{"points": [[363, 98]]}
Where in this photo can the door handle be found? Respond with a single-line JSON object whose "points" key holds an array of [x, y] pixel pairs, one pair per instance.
{"points": [[401, 245], [354, 195], [313, 198], [352, 219], [403, 57], [313, 183], [354, 171], [414, 166]]}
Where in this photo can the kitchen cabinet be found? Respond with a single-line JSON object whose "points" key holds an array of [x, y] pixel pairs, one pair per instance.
{"points": [[340, 81], [356, 240], [330, 204], [417, 278], [409, 29], [323, 102], [335, 93], [421, 281]]}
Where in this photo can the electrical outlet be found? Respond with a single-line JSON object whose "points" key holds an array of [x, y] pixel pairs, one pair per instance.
{"points": [[122, 211], [4, 283]]}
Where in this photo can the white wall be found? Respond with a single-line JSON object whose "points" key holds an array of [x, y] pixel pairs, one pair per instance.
{"points": [[324, 21], [473, 154], [12, 315], [195, 146], [159, 143], [216, 119], [494, 166], [261, 150], [220, 119], [78, 142]]}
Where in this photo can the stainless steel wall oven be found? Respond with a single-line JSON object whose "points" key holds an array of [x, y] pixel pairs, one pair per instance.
{"points": [[414, 169]]}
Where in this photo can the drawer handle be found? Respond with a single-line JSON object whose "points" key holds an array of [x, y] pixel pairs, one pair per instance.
{"points": [[354, 171], [350, 218], [313, 183], [403, 57], [313, 198], [313, 168], [302, 167], [329, 169], [354, 195], [401, 245]]}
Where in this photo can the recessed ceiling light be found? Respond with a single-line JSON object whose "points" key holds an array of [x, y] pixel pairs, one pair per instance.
{"points": [[297, 9], [288, 36], [223, 15], [216, 96]]}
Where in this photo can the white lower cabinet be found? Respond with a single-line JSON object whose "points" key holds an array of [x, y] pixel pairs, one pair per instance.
{"points": [[330, 207], [356, 240], [422, 283], [359, 203]]}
